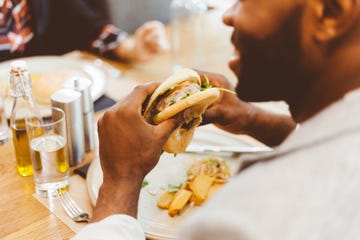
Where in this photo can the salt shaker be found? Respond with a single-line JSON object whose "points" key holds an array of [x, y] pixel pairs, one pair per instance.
{"points": [[83, 85], [70, 102]]}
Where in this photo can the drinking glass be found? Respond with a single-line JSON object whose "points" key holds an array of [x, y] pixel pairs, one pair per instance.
{"points": [[186, 18], [49, 155]]}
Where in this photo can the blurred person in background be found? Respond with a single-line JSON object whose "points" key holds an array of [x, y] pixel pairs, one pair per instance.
{"points": [[306, 52], [42, 27]]}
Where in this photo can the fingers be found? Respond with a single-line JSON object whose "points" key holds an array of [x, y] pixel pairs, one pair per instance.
{"points": [[153, 36], [208, 117], [207, 75], [101, 129], [151, 26], [148, 41], [134, 101], [216, 80], [164, 129], [141, 92], [156, 42]]}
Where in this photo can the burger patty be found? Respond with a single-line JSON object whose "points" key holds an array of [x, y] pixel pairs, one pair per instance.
{"points": [[180, 92]]}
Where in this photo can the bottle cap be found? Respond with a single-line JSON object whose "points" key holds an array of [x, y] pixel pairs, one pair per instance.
{"points": [[18, 65], [70, 102], [20, 83]]}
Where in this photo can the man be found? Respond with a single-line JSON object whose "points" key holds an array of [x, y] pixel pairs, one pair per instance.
{"points": [[306, 52], [41, 27]]}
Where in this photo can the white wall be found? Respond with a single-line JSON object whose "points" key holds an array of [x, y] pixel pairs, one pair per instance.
{"points": [[130, 14]]}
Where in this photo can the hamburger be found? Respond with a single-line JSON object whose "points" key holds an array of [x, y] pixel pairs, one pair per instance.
{"points": [[185, 92]]}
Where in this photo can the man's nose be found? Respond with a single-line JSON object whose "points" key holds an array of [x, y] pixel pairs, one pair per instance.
{"points": [[228, 16]]}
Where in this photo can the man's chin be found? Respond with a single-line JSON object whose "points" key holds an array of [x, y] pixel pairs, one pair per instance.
{"points": [[254, 90], [252, 85], [243, 92]]}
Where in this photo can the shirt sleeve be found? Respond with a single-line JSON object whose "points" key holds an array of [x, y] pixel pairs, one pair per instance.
{"points": [[109, 38], [120, 227]]}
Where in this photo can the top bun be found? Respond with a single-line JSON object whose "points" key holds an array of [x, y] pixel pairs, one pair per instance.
{"points": [[180, 76]]}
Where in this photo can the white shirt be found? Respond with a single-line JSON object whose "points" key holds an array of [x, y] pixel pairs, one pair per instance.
{"points": [[308, 188], [116, 227]]}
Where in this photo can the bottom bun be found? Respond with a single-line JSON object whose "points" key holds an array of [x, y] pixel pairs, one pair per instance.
{"points": [[193, 107], [181, 138]]}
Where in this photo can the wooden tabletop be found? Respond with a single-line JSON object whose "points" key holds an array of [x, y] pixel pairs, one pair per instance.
{"points": [[21, 215]]}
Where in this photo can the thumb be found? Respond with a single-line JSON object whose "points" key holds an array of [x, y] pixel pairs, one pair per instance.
{"points": [[166, 128]]}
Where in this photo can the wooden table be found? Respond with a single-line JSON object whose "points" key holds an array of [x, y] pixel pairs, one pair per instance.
{"points": [[21, 215]]}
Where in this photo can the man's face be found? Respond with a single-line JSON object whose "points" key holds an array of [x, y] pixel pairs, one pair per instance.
{"points": [[266, 35]]}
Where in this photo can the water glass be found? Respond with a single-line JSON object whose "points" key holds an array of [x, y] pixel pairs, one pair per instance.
{"points": [[49, 155], [4, 128], [186, 18]]}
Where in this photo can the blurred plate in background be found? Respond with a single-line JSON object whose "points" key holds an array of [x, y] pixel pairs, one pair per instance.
{"points": [[48, 74]]}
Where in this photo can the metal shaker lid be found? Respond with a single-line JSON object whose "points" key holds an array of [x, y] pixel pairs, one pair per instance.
{"points": [[82, 85], [64, 97]]}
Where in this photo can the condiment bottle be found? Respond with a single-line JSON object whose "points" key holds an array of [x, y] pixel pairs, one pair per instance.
{"points": [[4, 128], [23, 106]]}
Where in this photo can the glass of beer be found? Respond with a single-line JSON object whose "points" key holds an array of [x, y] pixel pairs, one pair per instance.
{"points": [[49, 155]]}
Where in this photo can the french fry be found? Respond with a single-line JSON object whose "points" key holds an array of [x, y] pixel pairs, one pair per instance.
{"points": [[200, 187], [181, 198], [204, 179], [196, 201], [213, 189], [165, 200]]}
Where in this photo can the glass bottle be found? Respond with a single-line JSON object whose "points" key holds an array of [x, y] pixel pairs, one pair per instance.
{"points": [[4, 129], [186, 22], [23, 106]]}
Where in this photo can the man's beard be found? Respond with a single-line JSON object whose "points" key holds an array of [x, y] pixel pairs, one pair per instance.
{"points": [[261, 80], [270, 68]]}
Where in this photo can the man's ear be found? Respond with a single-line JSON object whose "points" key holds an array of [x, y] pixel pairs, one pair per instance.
{"points": [[334, 18]]}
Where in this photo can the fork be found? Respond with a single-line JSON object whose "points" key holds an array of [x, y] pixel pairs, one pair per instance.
{"points": [[71, 208]]}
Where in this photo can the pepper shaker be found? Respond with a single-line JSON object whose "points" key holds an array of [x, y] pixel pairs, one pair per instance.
{"points": [[70, 102], [83, 85]]}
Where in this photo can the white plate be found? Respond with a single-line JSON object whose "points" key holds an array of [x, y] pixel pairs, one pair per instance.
{"points": [[49, 64], [156, 222]]}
